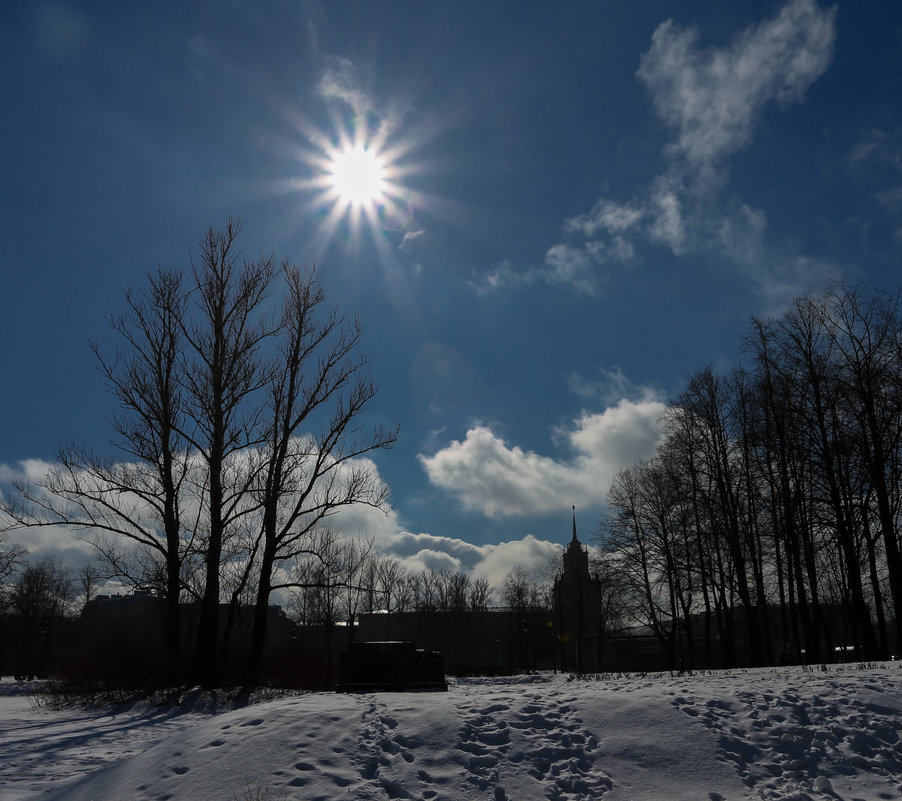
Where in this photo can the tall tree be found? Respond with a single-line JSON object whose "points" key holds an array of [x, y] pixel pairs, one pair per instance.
{"points": [[224, 372], [314, 455], [240, 420], [39, 597], [137, 499], [10, 559], [865, 329]]}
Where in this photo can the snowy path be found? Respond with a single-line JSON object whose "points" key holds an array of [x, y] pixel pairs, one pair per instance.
{"points": [[788, 734]]}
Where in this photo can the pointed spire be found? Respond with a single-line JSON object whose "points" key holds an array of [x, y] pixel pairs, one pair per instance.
{"points": [[574, 526]]}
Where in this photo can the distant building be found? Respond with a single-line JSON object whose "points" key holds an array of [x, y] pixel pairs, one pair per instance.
{"points": [[577, 609]]}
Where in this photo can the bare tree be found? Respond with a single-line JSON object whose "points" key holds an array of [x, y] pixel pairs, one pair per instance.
{"points": [[10, 557], [458, 593], [138, 500], [222, 376], [786, 488], [242, 433], [521, 595], [314, 456], [865, 329], [426, 590], [87, 582], [39, 597], [479, 594], [356, 554], [637, 531]]}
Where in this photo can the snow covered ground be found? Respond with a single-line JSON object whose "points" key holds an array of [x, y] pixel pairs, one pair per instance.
{"points": [[781, 733]]}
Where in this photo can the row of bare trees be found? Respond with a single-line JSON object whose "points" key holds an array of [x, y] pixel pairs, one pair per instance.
{"points": [[50, 628], [35, 594], [769, 518], [383, 584], [240, 397]]}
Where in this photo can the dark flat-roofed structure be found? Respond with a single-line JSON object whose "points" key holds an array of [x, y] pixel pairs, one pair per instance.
{"points": [[391, 665]]}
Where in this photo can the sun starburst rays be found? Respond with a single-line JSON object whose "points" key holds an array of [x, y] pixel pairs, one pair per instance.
{"points": [[356, 180]]}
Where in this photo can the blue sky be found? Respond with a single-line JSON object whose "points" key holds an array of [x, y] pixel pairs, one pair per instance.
{"points": [[589, 200]]}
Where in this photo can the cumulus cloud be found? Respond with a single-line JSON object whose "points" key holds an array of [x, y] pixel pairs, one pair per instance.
{"points": [[493, 561], [531, 554], [500, 480], [382, 527], [45, 540], [711, 98]]}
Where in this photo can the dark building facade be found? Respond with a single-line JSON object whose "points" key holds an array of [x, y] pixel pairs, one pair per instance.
{"points": [[577, 610]]}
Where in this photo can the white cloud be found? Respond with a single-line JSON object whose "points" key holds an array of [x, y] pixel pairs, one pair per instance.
{"points": [[61, 541], [428, 559], [499, 480], [712, 99], [880, 150], [741, 234], [491, 561], [380, 526], [341, 81], [610, 386], [573, 265], [877, 159], [503, 274], [607, 216], [667, 222], [533, 555], [781, 280], [488, 476], [616, 438], [409, 238], [482, 471]]}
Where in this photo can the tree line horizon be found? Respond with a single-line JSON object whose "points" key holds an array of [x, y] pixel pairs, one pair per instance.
{"points": [[765, 524], [773, 500]]}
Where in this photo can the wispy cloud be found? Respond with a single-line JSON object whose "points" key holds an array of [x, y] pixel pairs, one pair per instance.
{"points": [[877, 158], [342, 82], [610, 385], [410, 237], [711, 98]]}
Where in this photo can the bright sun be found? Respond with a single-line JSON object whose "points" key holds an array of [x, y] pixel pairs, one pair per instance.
{"points": [[356, 188], [357, 176]]}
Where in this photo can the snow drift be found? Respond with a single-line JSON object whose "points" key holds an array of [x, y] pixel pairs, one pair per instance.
{"points": [[787, 733]]}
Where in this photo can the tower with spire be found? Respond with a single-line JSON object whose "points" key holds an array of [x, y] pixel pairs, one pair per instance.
{"points": [[577, 609]]}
